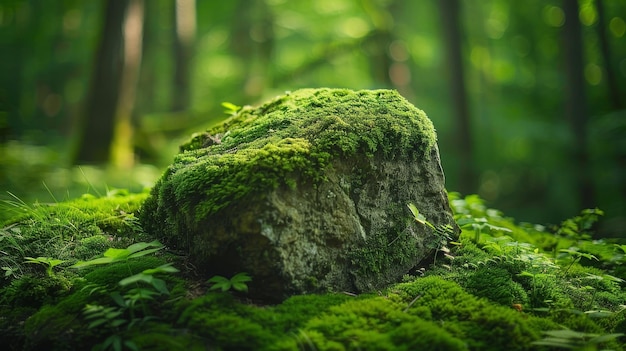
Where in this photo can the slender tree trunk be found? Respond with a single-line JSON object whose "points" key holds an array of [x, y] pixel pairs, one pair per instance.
{"points": [[253, 41], [379, 40], [11, 63], [605, 50], [184, 38], [450, 19], [122, 150], [576, 101], [96, 134], [106, 133]]}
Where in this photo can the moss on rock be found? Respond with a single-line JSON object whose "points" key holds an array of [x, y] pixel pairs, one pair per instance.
{"points": [[292, 136], [312, 187], [310, 124]]}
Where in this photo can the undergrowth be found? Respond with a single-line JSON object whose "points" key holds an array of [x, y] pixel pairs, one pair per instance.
{"points": [[83, 274]]}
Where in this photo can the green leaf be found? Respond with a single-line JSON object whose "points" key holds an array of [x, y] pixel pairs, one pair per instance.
{"points": [[144, 252], [561, 343], [230, 108], [612, 278], [116, 254], [96, 323], [414, 210], [160, 286], [117, 297], [140, 294], [241, 278], [525, 274], [218, 279], [139, 277], [166, 268], [599, 314], [240, 287], [220, 282], [116, 323], [418, 216], [567, 334], [605, 338], [96, 261], [131, 345], [142, 246]]}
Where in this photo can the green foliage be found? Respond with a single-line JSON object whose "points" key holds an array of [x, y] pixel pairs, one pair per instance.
{"points": [[499, 293], [376, 324], [475, 321], [419, 217], [89, 247], [114, 303], [34, 290], [443, 234], [132, 306], [497, 285], [230, 108], [573, 340], [578, 227], [51, 234], [238, 282], [113, 255], [47, 262], [220, 320]]}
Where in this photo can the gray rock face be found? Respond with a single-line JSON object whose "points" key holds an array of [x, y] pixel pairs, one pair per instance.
{"points": [[307, 193]]}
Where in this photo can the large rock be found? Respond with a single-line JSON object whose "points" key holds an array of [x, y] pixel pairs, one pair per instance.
{"points": [[307, 193]]}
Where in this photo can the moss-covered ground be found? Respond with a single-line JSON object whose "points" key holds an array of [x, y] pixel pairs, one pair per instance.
{"points": [[84, 274]]}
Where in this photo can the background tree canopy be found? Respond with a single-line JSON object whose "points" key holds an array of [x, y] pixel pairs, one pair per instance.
{"points": [[527, 96]]}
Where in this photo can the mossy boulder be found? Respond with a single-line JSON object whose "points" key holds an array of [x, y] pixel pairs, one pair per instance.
{"points": [[307, 193]]}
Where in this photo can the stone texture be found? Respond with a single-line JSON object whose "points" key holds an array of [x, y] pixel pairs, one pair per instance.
{"points": [[307, 193]]}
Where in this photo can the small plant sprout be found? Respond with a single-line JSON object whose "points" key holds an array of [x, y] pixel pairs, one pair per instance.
{"points": [[47, 262], [230, 108], [122, 255], [131, 307], [147, 276], [419, 218], [238, 282], [442, 232], [480, 226], [575, 256], [577, 228]]}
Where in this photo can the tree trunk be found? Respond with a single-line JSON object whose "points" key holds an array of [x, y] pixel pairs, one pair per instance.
{"points": [[576, 108], [184, 37], [449, 11], [96, 133], [11, 80], [122, 150], [605, 50], [252, 39], [378, 41], [106, 130]]}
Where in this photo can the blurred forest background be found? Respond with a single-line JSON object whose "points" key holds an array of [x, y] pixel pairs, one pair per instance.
{"points": [[527, 96]]}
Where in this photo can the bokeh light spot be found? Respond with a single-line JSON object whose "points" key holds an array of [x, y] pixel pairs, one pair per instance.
{"points": [[593, 74], [355, 27], [617, 26], [553, 16]]}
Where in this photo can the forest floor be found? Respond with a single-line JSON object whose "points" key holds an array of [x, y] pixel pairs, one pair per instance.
{"points": [[83, 274]]}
